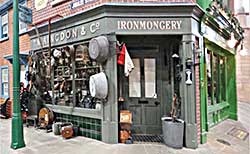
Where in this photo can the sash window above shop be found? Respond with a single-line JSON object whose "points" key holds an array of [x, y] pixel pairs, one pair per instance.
{"points": [[4, 25], [4, 82]]}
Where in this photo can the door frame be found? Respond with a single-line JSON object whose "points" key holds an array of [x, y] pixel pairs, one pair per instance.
{"points": [[148, 52]]}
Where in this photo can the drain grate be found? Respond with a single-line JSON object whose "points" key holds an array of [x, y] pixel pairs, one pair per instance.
{"points": [[238, 133], [147, 138]]}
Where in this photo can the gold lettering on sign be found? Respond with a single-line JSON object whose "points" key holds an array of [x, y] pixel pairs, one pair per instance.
{"points": [[149, 25]]}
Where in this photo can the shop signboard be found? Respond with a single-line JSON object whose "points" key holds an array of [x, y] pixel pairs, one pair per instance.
{"points": [[25, 14]]}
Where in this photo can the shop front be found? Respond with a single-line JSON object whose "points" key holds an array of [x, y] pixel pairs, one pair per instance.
{"points": [[160, 42], [222, 36]]}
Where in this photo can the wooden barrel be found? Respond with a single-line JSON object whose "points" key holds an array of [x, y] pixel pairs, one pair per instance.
{"points": [[99, 49], [46, 117], [98, 85]]}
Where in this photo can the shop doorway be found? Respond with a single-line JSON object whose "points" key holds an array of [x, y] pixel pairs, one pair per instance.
{"points": [[149, 88], [143, 90]]}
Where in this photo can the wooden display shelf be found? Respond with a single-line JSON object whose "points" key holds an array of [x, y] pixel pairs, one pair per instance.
{"points": [[87, 67]]}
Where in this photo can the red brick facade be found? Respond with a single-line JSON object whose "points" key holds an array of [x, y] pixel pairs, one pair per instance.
{"points": [[6, 47], [198, 101], [243, 62], [64, 8]]}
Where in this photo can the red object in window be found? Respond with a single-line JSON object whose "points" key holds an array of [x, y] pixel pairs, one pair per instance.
{"points": [[121, 58]]}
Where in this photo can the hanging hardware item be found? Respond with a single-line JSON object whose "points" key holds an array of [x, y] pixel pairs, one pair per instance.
{"points": [[189, 64], [82, 54], [99, 49], [98, 85]]}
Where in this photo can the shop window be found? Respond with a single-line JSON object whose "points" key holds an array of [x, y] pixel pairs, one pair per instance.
{"points": [[223, 78], [135, 79], [22, 25], [4, 25], [209, 76], [216, 78], [4, 82], [150, 78], [22, 74]]}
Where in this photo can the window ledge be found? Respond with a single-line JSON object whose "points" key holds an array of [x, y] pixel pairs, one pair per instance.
{"points": [[23, 32], [4, 39], [90, 113]]}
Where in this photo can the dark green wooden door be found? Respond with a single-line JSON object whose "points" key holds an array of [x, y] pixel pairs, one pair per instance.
{"points": [[143, 91]]}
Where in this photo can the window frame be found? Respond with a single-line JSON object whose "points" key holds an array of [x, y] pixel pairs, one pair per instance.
{"points": [[218, 79], [1, 81], [1, 25]]}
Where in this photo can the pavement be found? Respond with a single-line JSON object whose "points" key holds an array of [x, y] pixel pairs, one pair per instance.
{"points": [[40, 142]]}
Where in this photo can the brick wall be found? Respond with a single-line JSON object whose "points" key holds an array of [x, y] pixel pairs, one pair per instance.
{"points": [[243, 62], [64, 8], [2, 1], [243, 71], [6, 47], [198, 100]]}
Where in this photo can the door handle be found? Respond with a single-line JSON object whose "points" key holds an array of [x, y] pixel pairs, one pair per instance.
{"points": [[143, 102], [157, 103]]}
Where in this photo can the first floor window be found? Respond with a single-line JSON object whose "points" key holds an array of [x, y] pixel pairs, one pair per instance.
{"points": [[4, 82], [4, 25]]}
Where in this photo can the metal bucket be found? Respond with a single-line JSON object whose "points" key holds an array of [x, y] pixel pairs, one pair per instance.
{"points": [[98, 85], [99, 49], [56, 128], [173, 132]]}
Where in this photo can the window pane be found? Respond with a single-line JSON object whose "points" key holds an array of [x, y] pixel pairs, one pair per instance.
{"points": [[5, 89], [5, 29], [135, 80], [216, 78], [5, 75], [209, 76], [223, 78], [4, 19], [22, 26], [150, 78]]}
